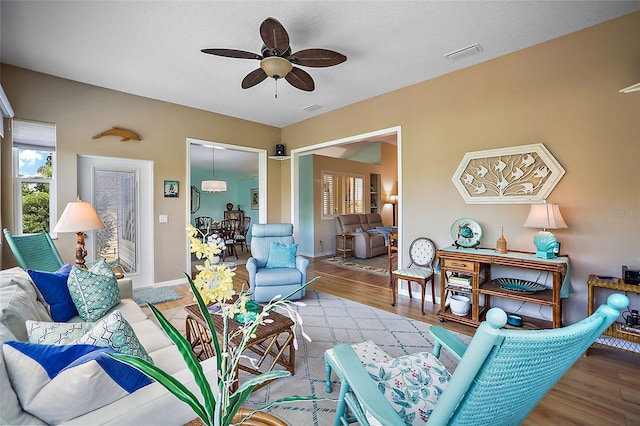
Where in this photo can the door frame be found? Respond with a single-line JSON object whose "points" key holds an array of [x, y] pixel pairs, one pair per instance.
{"points": [[145, 277]]}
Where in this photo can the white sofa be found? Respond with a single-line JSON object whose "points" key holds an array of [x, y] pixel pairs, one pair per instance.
{"points": [[150, 405]]}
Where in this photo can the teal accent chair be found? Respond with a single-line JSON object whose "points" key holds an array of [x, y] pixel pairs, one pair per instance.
{"points": [[266, 283], [34, 251], [501, 376]]}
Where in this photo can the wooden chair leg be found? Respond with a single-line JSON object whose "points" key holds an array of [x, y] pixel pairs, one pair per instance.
{"points": [[394, 290], [409, 287], [423, 286], [433, 290]]}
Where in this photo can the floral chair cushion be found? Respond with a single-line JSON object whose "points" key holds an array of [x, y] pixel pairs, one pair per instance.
{"points": [[411, 383]]}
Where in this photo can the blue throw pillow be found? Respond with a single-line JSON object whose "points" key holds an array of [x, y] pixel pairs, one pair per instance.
{"points": [[53, 286], [281, 255], [59, 383]]}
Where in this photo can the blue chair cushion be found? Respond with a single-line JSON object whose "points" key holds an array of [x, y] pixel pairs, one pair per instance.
{"points": [[278, 276], [411, 383], [281, 255], [53, 286]]}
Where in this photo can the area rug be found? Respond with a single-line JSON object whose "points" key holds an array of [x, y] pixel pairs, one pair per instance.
{"points": [[330, 320], [154, 295], [378, 265]]}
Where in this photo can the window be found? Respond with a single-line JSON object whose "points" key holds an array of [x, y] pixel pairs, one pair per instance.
{"points": [[341, 194], [34, 160]]}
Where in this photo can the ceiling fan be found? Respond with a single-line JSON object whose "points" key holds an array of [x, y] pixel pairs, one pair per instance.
{"points": [[277, 61]]}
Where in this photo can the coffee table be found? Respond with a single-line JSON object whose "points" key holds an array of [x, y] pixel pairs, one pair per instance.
{"points": [[272, 340]]}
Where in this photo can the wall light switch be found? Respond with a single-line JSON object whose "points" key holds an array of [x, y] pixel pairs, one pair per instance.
{"points": [[163, 218]]}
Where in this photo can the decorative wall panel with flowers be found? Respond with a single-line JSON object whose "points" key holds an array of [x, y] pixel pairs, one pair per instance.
{"points": [[517, 175]]}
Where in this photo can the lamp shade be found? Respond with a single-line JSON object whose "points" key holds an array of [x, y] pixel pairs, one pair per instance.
{"points": [[214, 185], [393, 199], [545, 216], [78, 216], [275, 66]]}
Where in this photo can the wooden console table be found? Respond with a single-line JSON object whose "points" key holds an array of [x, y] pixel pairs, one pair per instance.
{"points": [[477, 263]]}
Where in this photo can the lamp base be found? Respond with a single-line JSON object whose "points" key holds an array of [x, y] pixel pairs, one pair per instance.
{"points": [[545, 255], [545, 242], [81, 252]]}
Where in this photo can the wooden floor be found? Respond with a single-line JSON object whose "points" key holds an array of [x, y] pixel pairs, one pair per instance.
{"points": [[602, 388]]}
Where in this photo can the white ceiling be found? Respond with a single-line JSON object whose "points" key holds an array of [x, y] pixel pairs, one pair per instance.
{"points": [[152, 48]]}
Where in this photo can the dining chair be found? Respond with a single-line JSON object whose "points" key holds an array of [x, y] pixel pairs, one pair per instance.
{"points": [[422, 251], [228, 230], [241, 235], [501, 376], [34, 251]]}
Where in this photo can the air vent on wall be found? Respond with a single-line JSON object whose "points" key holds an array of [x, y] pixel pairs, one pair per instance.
{"points": [[465, 52]]}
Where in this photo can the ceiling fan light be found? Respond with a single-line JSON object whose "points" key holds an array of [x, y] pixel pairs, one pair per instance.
{"points": [[214, 185], [275, 66]]}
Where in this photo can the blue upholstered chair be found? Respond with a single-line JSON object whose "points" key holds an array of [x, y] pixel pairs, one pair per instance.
{"points": [[34, 251], [501, 376], [269, 273]]}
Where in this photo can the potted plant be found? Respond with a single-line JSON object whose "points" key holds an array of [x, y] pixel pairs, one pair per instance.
{"points": [[213, 286]]}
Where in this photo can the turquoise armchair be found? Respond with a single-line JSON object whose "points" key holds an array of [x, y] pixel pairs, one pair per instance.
{"points": [[266, 283], [501, 376], [34, 251]]}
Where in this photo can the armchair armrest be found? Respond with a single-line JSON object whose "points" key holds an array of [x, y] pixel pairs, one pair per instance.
{"points": [[360, 382], [444, 337]]}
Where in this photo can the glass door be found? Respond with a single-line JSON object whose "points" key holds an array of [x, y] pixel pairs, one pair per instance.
{"points": [[121, 193]]}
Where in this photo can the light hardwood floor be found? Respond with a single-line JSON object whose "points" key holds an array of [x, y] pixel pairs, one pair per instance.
{"points": [[602, 388]]}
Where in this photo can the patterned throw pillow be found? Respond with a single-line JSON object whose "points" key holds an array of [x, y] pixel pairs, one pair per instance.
{"points": [[53, 287], [281, 255], [56, 333], [93, 292], [411, 383], [115, 332], [59, 383]]}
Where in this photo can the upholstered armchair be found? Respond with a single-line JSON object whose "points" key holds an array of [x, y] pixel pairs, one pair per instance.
{"points": [[274, 268]]}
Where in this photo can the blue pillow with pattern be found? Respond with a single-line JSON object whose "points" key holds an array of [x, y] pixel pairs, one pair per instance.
{"points": [[281, 255], [93, 291]]}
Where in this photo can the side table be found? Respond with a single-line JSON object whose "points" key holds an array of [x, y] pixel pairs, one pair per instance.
{"points": [[616, 336], [273, 340], [344, 245]]}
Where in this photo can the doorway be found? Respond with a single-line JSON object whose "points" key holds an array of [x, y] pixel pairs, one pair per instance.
{"points": [[324, 231], [121, 191]]}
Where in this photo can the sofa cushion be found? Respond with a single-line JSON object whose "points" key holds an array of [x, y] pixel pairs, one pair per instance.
{"points": [[93, 291], [20, 277], [56, 333], [281, 255], [411, 383], [57, 383], [116, 333], [53, 287], [16, 307]]}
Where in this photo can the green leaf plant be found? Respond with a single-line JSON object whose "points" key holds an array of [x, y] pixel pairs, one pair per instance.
{"points": [[219, 402]]}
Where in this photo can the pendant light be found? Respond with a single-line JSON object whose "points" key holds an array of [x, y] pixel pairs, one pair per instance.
{"points": [[213, 185]]}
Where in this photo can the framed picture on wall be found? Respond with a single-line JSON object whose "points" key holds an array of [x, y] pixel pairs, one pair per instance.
{"points": [[170, 188], [255, 199]]}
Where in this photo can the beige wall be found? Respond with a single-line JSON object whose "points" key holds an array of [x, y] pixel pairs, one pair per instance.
{"points": [[563, 93], [81, 111]]}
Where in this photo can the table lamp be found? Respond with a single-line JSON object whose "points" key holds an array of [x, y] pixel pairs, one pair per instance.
{"points": [[79, 217], [545, 216]]}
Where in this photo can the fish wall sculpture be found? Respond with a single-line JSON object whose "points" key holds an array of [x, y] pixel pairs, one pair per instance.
{"points": [[125, 134]]}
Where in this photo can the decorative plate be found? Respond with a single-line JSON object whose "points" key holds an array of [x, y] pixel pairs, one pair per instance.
{"points": [[466, 233], [517, 285]]}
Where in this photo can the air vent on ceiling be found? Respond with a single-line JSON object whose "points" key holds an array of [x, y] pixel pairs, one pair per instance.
{"points": [[465, 52], [312, 107]]}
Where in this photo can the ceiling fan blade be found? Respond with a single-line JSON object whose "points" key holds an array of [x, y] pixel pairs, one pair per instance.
{"points": [[300, 79], [274, 36], [253, 78], [317, 58], [232, 53]]}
